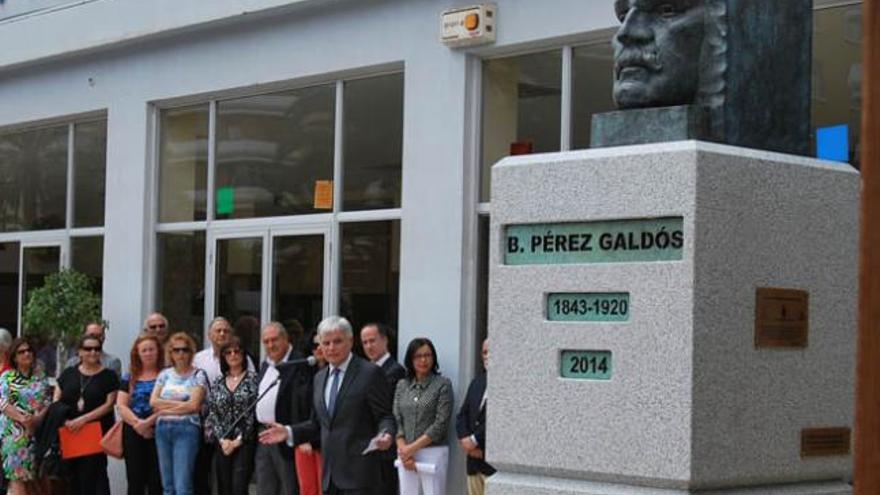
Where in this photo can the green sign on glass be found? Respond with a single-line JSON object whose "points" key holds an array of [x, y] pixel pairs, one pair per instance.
{"points": [[589, 306], [586, 365], [615, 241], [225, 200]]}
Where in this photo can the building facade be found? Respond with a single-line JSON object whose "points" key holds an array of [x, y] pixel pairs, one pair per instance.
{"points": [[290, 159]]}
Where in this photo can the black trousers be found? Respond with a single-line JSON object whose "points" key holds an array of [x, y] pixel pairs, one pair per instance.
{"points": [[141, 463], [234, 471], [202, 475], [87, 475], [388, 474], [333, 490]]}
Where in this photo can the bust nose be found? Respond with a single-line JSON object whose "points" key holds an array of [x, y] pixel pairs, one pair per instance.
{"points": [[635, 29]]}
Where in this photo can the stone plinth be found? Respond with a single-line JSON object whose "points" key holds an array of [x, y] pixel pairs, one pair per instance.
{"points": [[692, 404]]}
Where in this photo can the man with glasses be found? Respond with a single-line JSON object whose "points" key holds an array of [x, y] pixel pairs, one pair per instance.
{"points": [[156, 324], [98, 330]]}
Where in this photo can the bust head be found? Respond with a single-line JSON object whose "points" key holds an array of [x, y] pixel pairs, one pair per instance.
{"points": [[665, 52]]}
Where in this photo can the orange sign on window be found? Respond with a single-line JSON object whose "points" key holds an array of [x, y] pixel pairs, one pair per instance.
{"points": [[323, 194]]}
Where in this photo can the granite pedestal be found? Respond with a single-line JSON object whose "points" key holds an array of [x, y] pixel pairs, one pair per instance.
{"points": [[692, 404]]}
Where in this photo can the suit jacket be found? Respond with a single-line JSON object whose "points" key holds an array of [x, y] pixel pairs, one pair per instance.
{"points": [[393, 372], [471, 420], [363, 409], [294, 394]]}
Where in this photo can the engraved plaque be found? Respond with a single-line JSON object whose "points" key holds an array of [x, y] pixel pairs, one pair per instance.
{"points": [[781, 318], [824, 442]]}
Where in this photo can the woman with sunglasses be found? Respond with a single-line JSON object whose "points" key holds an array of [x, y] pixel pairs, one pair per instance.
{"points": [[231, 397], [25, 394], [177, 398], [139, 420], [89, 390]]}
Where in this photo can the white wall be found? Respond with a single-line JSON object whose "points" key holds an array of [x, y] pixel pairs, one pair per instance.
{"points": [[110, 58]]}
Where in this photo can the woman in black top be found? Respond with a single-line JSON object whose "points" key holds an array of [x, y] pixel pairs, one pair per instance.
{"points": [[231, 395], [89, 390]]}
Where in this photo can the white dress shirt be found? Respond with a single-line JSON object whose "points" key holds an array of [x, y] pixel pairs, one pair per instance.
{"points": [[266, 406], [381, 361], [342, 367]]}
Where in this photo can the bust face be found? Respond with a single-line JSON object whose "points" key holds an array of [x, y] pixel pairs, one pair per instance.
{"points": [[657, 52]]}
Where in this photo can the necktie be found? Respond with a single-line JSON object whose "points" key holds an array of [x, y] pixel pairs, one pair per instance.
{"points": [[334, 391]]}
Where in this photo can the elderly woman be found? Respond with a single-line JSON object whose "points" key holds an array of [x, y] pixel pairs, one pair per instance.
{"points": [[233, 420], [422, 408], [26, 394], [89, 390], [177, 398]]}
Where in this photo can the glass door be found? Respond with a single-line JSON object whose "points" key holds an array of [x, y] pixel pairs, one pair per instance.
{"points": [[265, 275], [36, 262]]}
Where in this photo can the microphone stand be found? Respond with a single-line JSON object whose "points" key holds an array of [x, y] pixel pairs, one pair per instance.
{"points": [[251, 407]]}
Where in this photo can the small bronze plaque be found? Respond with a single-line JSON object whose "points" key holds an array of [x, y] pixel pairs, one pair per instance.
{"points": [[781, 318], [825, 442]]}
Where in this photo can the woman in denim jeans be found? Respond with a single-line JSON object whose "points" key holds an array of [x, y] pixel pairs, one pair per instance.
{"points": [[177, 397]]}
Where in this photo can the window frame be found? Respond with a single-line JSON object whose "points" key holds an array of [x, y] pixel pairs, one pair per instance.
{"points": [[212, 227]]}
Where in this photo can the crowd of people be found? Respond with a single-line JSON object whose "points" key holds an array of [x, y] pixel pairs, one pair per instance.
{"points": [[313, 418]]}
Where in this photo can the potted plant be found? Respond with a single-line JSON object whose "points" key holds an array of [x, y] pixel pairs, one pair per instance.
{"points": [[57, 311]]}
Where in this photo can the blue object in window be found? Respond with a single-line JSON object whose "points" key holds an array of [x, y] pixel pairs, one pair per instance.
{"points": [[832, 143]]}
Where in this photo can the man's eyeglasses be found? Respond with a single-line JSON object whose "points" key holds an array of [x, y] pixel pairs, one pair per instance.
{"points": [[91, 348], [180, 350]]}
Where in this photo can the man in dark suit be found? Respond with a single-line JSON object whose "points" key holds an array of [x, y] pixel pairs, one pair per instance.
{"points": [[470, 424], [351, 407], [374, 339], [284, 404]]}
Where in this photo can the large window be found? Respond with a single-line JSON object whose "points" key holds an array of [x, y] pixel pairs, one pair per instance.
{"points": [[52, 189], [837, 81], [261, 219]]}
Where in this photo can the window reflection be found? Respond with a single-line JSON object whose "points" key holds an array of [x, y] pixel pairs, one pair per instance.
{"points": [[837, 73], [522, 100], [274, 152], [373, 143], [9, 253], [183, 164], [180, 287], [33, 179], [592, 85], [370, 272], [89, 167], [87, 256]]}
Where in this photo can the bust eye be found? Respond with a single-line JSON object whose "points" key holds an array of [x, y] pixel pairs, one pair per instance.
{"points": [[667, 10]]}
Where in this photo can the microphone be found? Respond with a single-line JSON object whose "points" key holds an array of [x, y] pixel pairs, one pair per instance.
{"points": [[309, 361]]}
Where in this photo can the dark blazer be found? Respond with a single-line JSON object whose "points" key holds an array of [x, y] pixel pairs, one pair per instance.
{"points": [[471, 420], [363, 409], [393, 373], [294, 393]]}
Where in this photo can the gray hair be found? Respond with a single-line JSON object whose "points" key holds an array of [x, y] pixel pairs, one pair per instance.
{"points": [[5, 339], [334, 323], [217, 320], [277, 325]]}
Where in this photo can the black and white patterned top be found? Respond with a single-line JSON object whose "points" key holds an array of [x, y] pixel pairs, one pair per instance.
{"points": [[423, 408], [224, 407]]}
